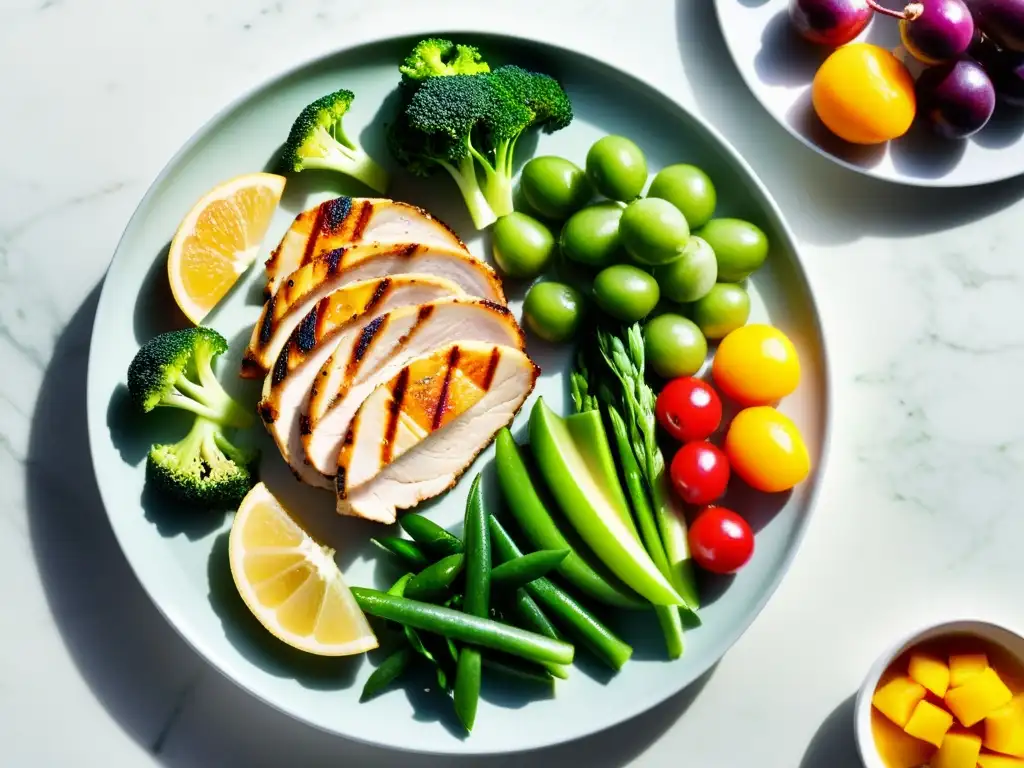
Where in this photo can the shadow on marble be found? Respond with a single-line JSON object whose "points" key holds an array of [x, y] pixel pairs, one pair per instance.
{"points": [[862, 206], [834, 744], [134, 663]]}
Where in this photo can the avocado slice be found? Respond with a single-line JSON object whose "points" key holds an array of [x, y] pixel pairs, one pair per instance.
{"points": [[574, 457]]}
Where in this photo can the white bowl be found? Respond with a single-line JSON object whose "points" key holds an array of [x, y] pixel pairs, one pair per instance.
{"points": [[1010, 639]]}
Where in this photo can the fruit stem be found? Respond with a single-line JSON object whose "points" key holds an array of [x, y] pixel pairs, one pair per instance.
{"points": [[909, 13]]}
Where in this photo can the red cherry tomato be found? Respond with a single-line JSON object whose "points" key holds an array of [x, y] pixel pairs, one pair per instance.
{"points": [[688, 409], [720, 540], [700, 472]]}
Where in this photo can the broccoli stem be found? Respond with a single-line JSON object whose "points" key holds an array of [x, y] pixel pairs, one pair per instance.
{"points": [[465, 176], [498, 179], [498, 191], [195, 442], [353, 162], [207, 398], [348, 157]]}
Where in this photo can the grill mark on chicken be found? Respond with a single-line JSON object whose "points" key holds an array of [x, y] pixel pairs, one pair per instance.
{"points": [[309, 329], [394, 411], [365, 211], [382, 290], [409, 251], [267, 326], [501, 309], [339, 483], [336, 211], [304, 426], [267, 412], [314, 236], [442, 400], [334, 259], [492, 366], [280, 371], [250, 369], [366, 337]]}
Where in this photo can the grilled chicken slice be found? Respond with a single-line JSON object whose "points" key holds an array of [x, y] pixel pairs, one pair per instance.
{"points": [[346, 221], [310, 283], [380, 350], [415, 435], [286, 389]]}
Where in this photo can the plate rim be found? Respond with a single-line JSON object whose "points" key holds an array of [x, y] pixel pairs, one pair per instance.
{"points": [[904, 181], [195, 640]]}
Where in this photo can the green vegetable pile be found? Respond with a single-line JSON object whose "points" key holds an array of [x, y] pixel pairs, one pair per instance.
{"points": [[466, 604], [515, 593], [460, 115], [608, 250]]}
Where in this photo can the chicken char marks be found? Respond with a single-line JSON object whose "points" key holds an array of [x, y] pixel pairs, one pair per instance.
{"points": [[388, 356]]}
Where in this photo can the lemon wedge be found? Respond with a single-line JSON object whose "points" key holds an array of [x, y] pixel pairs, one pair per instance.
{"points": [[291, 583], [219, 238]]}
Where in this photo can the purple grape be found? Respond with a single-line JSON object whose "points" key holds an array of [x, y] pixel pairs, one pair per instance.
{"points": [[957, 98], [1001, 20], [1006, 69], [829, 22], [942, 31]]}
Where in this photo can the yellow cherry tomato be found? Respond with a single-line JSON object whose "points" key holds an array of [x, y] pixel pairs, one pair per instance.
{"points": [[864, 94], [756, 365], [765, 449]]}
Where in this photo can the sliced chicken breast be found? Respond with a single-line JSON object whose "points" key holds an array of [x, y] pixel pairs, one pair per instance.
{"points": [[310, 283], [286, 389], [346, 221], [381, 350], [415, 435]]}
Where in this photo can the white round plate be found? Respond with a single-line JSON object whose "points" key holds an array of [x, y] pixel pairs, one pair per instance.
{"points": [[180, 557], [778, 67]]}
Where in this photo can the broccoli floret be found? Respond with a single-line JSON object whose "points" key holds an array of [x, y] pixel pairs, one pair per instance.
{"points": [[543, 94], [435, 57], [529, 100], [203, 470], [469, 125], [439, 128], [317, 140], [175, 370]]}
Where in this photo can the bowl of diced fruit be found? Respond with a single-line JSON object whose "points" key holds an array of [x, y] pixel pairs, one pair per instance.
{"points": [[948, 696]]}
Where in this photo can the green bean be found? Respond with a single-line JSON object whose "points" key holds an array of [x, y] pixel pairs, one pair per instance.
{"points": [[523, 670], [521, 571], [668, 615], [431, 537], [539, 527], [403, 549], [392, 668], [431, 584], [526, 614], [463, 627], [414, 640], [577, 619], [475, 601]]}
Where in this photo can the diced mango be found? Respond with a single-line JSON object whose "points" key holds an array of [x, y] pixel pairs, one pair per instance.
{"points": [[896, 747], [978, 698], [1004, 728], [930, 671], [929, 723], [989, 760], [959, 749], [897, 699], [964, 666]]}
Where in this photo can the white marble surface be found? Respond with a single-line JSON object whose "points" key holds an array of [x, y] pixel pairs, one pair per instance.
{"points": [[920, 292]]}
